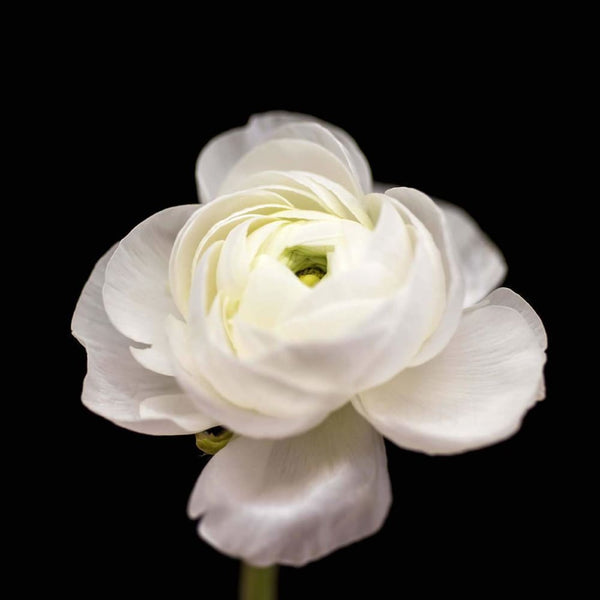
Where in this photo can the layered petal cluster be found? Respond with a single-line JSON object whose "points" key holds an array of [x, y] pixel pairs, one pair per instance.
{"points": [[310, 316]]}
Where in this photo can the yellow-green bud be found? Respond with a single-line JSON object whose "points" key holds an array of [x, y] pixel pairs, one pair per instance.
{"points": [[211, 443]]}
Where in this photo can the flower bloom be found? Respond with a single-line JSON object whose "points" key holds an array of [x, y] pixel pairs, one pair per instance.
{"points": [[311, 317]]}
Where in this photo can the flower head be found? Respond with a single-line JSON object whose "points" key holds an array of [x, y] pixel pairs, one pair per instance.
{"points": [[309, 316]]}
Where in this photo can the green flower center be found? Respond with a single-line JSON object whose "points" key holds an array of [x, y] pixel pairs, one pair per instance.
{"points": [[310, 276], [309, 263]]}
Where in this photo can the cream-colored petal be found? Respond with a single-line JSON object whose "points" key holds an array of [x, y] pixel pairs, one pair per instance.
{"points": [[423, 208], [184, 257], [289, 155], [481, 263]]}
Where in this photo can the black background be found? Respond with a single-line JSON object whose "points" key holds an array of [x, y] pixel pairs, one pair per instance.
{"points": [[473, 134]]}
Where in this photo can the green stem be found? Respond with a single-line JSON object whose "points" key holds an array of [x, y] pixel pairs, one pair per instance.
{"points": [[258, 583]]}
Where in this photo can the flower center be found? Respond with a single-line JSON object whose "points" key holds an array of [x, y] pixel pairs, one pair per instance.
{"points": [[309, 263], [310, 276]]}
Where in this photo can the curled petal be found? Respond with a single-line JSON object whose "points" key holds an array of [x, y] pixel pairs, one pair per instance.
{"points": [[424, 209], [482, 264], [136, 288], [307, 191], [294, 501], [215, 220], [506, 297]]}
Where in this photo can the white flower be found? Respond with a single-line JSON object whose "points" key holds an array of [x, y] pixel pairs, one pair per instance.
{"points": [[311, 317]]}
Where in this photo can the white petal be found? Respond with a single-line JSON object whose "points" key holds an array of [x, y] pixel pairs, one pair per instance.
{"points": [[385, 325], [333, 363], [244, 382], [289, 155], [272, 121], [210, 402], [234, 262], [305, 215], [424, 209], [90, 324], [351, 203], [506, 297], [390, 243], [482, 264], [220, 154], [348, 153], [155, 358], [296, 500], [177, 408], [227, 208], [116, 385], [272, 291], [473, 394], [302, 190], [258, 215], [136, 290]]}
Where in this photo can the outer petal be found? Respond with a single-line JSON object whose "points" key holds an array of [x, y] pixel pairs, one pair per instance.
{"points": [[482, 264], [506, 297], [431, 216], [473, 394], [136, 290], [116, 386], [289, 154], [220, 154], [296, 500]]}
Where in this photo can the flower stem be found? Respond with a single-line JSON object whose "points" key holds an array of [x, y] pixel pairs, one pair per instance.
{"points": [[258, 583]]}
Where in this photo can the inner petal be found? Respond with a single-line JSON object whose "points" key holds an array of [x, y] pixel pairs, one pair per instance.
{"points": [[273, 291]]}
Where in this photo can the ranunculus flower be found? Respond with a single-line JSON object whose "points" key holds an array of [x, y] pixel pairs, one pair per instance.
{"points": [[311, 317]]}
